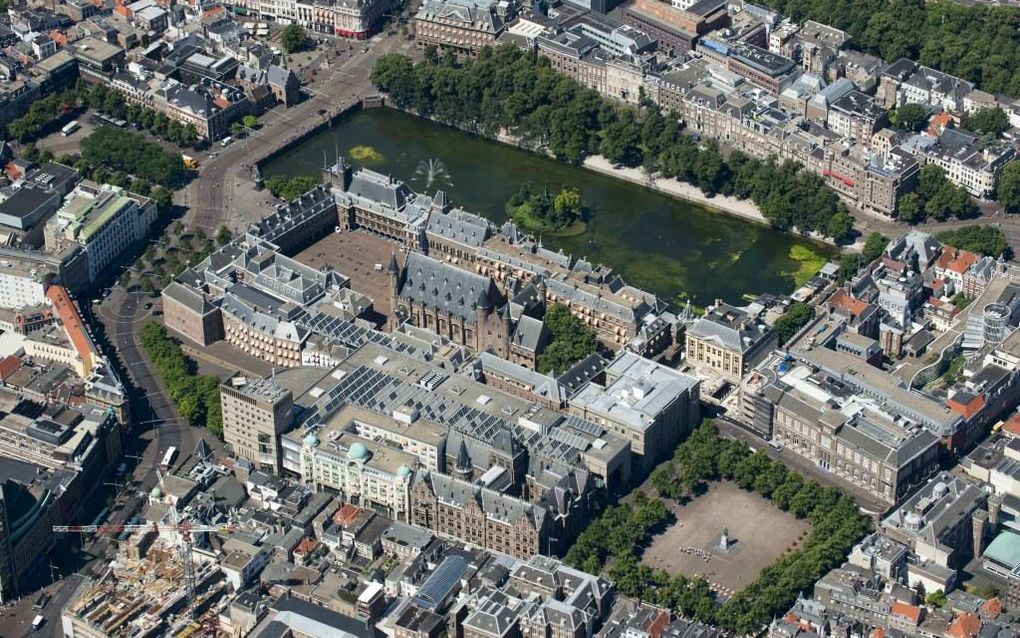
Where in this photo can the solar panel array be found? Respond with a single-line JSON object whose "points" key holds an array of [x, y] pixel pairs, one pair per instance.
{"points": [[379, 392], [438, 586], [353, 335]]}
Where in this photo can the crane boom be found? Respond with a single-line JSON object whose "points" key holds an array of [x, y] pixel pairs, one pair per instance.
{"points": [[155, 527], [184, 528]]}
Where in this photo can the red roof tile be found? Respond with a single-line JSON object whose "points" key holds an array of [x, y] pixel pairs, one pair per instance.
{"points": [[346, 514], [910, 612], [1012, 425], [9, 365], [966, 625], [968, 409], [73, 325], [991, 608]]}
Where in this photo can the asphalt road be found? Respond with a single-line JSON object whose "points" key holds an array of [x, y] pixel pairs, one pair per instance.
{"points": [[210, 198], [156, 425], [731, 429]]}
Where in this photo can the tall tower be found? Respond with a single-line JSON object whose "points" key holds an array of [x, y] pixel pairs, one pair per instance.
{"points": [[394, 282], [483, 310]]}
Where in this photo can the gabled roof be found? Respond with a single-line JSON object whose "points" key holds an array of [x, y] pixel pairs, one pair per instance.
{"points": [[966, 625], [436, 284]]}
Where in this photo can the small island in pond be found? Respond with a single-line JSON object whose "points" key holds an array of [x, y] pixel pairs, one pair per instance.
{"points": [[537, 210]]}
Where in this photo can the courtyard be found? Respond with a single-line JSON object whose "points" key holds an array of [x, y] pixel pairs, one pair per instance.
{"points": [[759, 532], [355, 254]]}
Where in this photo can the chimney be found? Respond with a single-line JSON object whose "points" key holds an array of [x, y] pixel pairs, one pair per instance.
{"points": [[980, 522], [994, 507]]}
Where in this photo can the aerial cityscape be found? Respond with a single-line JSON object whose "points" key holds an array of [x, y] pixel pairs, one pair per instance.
{"points": [[510, 319]]}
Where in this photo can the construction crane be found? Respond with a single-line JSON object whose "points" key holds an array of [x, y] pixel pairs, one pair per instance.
{"points": [[159, 528], [184, 528]]}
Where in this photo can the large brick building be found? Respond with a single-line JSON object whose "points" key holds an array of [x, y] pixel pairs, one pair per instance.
{"points": [[479, 515], [462, 306]]}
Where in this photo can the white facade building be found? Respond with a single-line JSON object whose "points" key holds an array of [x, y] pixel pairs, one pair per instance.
{"points": [[363, 473], [104, 220], [21, 285]]}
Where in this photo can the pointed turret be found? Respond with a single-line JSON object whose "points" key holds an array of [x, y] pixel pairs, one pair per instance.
{"points": [[484, 303], [463, 460], [394, 268]]}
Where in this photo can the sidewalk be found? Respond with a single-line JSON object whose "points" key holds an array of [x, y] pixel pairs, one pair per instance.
{"points": [[743, 208]]}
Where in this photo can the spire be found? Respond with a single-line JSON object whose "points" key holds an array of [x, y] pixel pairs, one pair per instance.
{"points": [[483, 300], [202, 450], [463, 460], [506, 311], [394, 268]]}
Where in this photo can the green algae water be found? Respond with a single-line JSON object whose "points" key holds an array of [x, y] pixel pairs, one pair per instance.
{"points": [[675, 248]]}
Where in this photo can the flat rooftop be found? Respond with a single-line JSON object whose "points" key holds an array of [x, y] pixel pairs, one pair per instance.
{"points": [[638, 390]]}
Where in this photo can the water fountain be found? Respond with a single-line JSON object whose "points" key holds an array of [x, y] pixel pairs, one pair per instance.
{"points": [[431, 172]]}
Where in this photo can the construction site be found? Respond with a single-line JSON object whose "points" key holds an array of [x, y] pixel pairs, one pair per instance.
{"points": [[145, 592]]}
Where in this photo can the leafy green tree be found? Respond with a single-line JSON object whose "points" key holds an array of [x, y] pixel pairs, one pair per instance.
{"points": [[961, 300], [909, 117], [990, 120], [797, 316], [942, 203], [840, 226], [572, 340], [290, 188], [981, 239], [1008, 192], [567, 203], [123, 150], [910, 209], [293, 38], [250, 121], [936, 598], [223, 236], [196, 396], [874, 246], [930, 179], [537, 210], [621, 142]]}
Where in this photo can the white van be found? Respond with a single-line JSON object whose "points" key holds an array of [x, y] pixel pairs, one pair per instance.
{"points": [[37, 622]]}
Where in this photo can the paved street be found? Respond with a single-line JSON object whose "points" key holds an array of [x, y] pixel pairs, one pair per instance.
{"points": [[730, 429], [156, 424], [866, 223], [223, 192]]}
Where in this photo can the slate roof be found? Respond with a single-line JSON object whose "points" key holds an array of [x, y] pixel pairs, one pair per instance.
{"points": [[189, 298], [598, 303], [529, 334], [480, 14], [436, 284], [458, 226], [380, 188], [497, 506], [538, 383], [729, 327]]}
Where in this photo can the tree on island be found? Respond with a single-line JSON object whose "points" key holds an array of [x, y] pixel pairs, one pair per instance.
{"points": [[536, 209], [572, 340]]}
